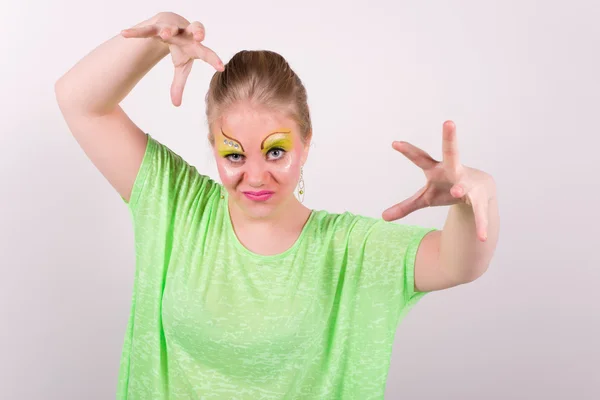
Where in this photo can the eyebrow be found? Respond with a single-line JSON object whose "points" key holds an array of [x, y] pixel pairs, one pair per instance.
{"points": [[262, 144], [230, 138]]}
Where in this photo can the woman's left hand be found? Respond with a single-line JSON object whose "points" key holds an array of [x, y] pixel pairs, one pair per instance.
{"points": [[448, 182]]}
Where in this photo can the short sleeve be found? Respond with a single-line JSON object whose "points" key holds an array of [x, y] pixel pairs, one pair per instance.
{"points": [[388, 252], [140, 180], [165, 182]]}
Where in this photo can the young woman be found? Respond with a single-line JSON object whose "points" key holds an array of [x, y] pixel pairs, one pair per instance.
{"points": [[240, 290]]}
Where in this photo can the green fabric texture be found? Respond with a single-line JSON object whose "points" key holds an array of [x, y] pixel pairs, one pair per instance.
{"points": [[212, 320]]}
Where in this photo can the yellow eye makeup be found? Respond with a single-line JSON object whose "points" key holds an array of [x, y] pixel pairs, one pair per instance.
{"points": [[227, 145], [280, 140]]}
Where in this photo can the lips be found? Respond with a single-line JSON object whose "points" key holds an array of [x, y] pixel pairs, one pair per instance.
{"points": [[263, 195]]}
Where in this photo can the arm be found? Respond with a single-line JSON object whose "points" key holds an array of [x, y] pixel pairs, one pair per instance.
{"points": [[455, 255], [462, 251], [88, 96], [105, 76], [463, 257], [89, 93]]}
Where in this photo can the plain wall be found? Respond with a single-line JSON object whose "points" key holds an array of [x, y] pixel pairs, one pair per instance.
{"points": [[520, 80]]}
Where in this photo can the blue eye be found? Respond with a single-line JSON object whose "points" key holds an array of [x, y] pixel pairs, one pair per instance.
{"points": [[277, 153], [273, 154], [234, 160]]}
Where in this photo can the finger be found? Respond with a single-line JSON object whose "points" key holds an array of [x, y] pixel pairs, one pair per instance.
{"points": [[198, 32], [401, 210], [168, 31], [208, 55], [179, 81], [140, 32], [196, 29], [461, 188], [450, 145], [480, 209], [419, 157]]}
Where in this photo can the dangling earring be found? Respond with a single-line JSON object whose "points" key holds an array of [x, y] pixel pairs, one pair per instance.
{"points": [[222, 195], [301, 186]]}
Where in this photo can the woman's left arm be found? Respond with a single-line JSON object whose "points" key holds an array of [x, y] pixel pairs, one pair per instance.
{"points": [[462, 251]]}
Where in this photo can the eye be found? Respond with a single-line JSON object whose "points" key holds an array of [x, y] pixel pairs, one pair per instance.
{"points": [[276, 153], [235, 158]]}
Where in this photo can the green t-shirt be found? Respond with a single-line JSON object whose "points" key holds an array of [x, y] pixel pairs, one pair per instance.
{"points": [[212, 320]]}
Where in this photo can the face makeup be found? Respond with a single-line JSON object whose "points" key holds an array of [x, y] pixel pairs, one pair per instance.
{"points": [[259, 154], [262, 195], [276, 150], [280, 140]]}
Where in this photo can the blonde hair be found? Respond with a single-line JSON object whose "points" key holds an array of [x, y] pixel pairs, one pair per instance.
{"points": [[263, 78]]}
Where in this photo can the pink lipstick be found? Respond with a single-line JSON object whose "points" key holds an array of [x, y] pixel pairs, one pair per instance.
{"points": [[263, 195]]}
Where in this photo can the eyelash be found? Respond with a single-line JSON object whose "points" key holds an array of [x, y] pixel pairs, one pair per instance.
{"points": [[228, 157]]}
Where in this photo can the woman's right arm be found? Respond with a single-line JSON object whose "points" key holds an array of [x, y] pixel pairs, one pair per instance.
{"points": [[89, 94]]}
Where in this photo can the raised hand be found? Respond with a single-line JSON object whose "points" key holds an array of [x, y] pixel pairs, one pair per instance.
{"points": [[184, 40], [448, 182]]}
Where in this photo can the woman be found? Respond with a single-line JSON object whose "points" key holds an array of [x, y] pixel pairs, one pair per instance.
{"points": [[240, 290]]}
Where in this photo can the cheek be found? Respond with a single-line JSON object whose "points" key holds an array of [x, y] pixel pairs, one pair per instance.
{"points": [[229, 174], [290, 167]]}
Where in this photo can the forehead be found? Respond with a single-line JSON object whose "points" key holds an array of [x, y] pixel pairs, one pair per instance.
{"points": [[252, 124]]}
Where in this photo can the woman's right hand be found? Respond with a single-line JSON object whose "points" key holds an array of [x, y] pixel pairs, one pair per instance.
{"points": [[184, 41]]}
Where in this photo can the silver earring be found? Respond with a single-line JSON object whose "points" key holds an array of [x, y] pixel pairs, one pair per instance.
{"points": [[301, 186]]}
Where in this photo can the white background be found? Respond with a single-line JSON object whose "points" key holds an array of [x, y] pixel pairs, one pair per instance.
{"points": [[520, 80]]}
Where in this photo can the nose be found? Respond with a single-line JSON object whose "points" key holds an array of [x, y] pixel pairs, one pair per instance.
{"points": [[256, 173]]}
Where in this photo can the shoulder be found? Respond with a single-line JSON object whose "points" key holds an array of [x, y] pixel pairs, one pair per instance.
{"points": [[165, 178], [361, 228], [326, 221]]}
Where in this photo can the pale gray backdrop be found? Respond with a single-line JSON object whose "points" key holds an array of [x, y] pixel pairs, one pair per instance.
{"points": [[519, 78]]}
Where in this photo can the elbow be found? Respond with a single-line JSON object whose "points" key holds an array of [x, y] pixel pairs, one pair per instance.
{"points": [[463, 274], [474, 273], [59, 90]]}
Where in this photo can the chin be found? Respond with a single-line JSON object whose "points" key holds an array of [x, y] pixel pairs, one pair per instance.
{"points": [[261, 209], [258, 211]]}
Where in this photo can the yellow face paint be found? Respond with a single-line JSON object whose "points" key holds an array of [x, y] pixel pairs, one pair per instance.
{"points": [[280, 140], [227, 145]]}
